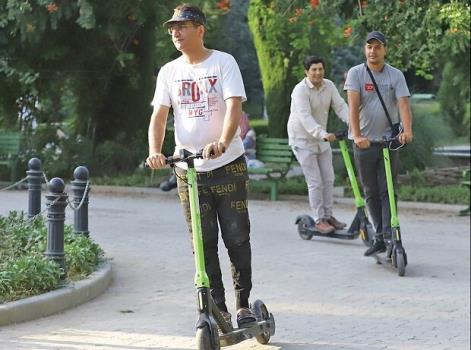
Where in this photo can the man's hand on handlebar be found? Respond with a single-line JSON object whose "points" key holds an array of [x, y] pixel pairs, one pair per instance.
{"points": [[213, 150], [361, 142], [156, 161], [406, 137], [330, 137]]}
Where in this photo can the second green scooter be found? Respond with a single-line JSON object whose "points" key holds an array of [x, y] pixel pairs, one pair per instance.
{"points": [[360, 225]]}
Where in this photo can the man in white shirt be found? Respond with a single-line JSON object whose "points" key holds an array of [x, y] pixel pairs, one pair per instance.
{"points": [[206, 91], [311, 101]]}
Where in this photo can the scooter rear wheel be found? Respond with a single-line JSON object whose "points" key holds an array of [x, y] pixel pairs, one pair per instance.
{"points": [[304, 223], [203, 339], [401, 263], [262, 314]]}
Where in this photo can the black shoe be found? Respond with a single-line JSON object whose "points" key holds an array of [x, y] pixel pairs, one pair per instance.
{"points": [[378, 247], [245, 318], [169, 184], [173, 180]]}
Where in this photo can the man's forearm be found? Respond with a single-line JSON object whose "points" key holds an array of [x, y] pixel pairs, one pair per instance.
{"points": [[231, 120], [406, 115], [156, 138], [156, 132], [354, 122], [354, 113]]}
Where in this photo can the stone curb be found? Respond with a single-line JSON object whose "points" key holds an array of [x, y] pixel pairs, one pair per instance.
{"points": [[452, 208], [338, 197], [58, 300]]}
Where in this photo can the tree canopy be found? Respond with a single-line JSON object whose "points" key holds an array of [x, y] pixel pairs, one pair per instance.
{"points": [[90, 65], [84, 61], [422, 34]]}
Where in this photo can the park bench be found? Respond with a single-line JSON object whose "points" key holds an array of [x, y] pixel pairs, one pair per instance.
{"points": [[9, 151], [466, 183], [276, 155]]}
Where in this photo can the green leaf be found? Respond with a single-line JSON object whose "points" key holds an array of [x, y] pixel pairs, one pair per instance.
{"points": [[87, 17]]}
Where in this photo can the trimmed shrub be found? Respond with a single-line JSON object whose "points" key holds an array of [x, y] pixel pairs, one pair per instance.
{"points": [[24, 271]]}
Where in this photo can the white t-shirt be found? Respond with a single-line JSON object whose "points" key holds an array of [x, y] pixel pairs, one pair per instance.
{"points": [[197, 93]]}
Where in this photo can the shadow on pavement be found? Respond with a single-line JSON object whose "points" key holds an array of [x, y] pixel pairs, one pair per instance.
{"points": [[321, 346]]}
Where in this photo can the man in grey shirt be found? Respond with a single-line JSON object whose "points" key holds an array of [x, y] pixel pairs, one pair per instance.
{"points": [[369, 124], [311, 101]]}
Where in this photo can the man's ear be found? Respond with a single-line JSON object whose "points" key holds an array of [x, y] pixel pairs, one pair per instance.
{"points": [[201, 31]]}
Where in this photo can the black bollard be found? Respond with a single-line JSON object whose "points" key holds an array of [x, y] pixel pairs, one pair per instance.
{"points": [[35, 176], [56, 204], [79, 185]]}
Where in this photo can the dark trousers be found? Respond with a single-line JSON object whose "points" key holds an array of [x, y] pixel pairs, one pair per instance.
{"points": [[223, 200], [370, 165]]}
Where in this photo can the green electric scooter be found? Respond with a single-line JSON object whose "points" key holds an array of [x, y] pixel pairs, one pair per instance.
{"points": [[212, 331], [360, 225], [395, 255]]}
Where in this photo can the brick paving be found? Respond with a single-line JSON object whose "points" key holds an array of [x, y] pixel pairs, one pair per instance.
{"points": [[324, 294]]}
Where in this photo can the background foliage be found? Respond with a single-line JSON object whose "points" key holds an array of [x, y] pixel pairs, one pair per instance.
{"points": [[423, 36], [77, 76], [24, 271]]}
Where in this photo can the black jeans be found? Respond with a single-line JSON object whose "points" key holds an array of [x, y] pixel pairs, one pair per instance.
{"points": [[223, 200], [370, 165]]}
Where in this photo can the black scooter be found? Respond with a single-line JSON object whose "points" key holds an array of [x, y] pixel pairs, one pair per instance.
{"points": [[395, 256], [360, 225], [212, 331]]}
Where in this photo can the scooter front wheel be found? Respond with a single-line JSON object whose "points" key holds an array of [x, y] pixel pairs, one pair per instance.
{"points": [[262, 314], [203, 339], [305, 223], [400, 262]]}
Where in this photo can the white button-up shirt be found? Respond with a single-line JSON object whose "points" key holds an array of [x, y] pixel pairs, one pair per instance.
{"points": [[310, 106]]}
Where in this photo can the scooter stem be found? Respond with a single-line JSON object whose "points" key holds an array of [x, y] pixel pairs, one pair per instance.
{"points": [[359, 202], [201, 278], [389, 181]]}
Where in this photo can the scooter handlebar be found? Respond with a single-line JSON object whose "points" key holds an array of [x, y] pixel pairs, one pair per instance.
{"points": [[340, 135], [183, 156]]}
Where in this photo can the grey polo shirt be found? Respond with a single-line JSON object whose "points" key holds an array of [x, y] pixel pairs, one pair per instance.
{"points": [[392, 85]]}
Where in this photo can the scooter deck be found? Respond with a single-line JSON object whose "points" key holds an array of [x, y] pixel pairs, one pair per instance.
{"points": [[307, 230], [339, 234], [237, 335], [382, 259], [394, 257]]}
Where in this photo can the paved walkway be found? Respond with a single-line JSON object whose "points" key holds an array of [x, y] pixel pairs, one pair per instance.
{"points": [[324, 294]]}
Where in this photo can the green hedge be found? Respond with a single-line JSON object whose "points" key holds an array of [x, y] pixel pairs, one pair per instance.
{"points": [[448, 194], [24, 271]]}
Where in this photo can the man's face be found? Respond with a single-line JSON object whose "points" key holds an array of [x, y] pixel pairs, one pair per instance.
{"points": [[375, 51], [185, 34], [315, 73]]}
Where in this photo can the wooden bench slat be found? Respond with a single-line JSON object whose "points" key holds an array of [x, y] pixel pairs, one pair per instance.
{"points": [[269, 159], [264, 139], [467, 183], [277, 157], [266, 170], [9, 150], [282, 153], [274, 149]]}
